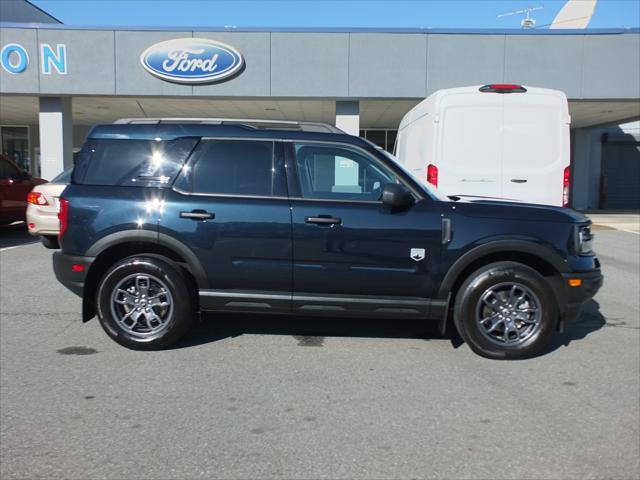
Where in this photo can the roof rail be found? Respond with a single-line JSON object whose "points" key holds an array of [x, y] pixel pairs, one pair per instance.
{"points": [[249, 122]]}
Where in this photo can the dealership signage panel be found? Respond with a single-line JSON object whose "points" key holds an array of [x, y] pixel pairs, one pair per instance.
{"points": [[182, 60], [15, 59], [192, 60]]}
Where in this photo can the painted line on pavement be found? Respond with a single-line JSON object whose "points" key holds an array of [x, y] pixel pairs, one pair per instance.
{"points": [[18, 246]]}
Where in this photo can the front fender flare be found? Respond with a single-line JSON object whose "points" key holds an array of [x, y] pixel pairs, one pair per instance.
{"points": [[544, 253]]}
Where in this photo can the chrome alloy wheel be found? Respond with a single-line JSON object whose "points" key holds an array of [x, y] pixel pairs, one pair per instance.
{"points": [[508, 313], [142, 305]]}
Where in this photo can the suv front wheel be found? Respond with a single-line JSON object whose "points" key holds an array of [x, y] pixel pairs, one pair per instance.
{"points": [[144, 303], [506, 310]]}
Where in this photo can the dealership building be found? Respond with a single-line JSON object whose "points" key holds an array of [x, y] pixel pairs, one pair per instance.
{"points": [[56, 81]]}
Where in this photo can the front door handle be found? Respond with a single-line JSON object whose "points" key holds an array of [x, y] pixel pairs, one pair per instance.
{"points": [[519, 180], [323, 220], [197, 215]]}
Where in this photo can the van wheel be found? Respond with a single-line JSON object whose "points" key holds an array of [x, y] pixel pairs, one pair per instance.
{"points": [[144, 303], [506, 310]]}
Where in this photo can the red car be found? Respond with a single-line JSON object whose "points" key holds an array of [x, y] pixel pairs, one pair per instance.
{"points": [[15, 184]]}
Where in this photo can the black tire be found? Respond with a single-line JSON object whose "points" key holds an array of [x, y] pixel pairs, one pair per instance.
{"points": [[49, 241], [162, 276], [492, 282]]}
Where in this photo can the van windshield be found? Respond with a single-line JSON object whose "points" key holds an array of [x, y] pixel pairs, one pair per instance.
{"points": [[432, 191]]}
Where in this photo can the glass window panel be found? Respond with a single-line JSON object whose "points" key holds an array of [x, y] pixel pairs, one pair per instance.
{"points": [[391, 140], [234, 167], [15, 146], [340, 173], [131, 162], [378, 137]]}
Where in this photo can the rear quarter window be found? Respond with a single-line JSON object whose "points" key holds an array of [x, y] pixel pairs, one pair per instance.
{"points": [[127, 162]]}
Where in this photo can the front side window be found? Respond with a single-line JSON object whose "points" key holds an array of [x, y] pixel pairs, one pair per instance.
{"points": [[234, 167], [336, 172]]}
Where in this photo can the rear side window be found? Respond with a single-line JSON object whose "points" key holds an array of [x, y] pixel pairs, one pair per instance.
{"points": [[234, 167], [131, 162]]}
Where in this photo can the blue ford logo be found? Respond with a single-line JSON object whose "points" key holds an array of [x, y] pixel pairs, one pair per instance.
{"points": [[191, 60]]}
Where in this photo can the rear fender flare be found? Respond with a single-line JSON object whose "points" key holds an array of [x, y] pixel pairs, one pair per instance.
{"points": [[147, 236]]}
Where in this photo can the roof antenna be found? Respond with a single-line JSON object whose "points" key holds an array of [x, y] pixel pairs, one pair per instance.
{"points": [[526, 22]]}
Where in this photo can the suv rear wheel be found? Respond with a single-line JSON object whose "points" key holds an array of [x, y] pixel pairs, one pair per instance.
{"points": [[506, 310], [144, 303]]}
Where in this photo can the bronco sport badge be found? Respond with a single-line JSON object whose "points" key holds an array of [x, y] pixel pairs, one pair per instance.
{"points": [[417, 254]]}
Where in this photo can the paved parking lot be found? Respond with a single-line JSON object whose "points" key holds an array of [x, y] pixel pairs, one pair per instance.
{"points": [[246, 397]]}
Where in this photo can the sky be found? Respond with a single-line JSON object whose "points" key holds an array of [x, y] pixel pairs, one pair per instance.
{"points": [[327, 13]]}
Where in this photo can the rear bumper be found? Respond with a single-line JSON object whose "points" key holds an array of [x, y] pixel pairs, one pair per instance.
{"points": [[576, 297], [67, 275], [42, 222]]}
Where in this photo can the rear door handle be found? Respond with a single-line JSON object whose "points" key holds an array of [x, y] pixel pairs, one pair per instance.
{"points": [[197, 215], [323, 220], [519, 180]]}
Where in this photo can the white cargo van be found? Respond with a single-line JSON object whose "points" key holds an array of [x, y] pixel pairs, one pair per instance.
{"points": [[501, 140]]}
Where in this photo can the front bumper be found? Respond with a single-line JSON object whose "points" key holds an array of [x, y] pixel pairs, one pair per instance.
{"points": [[68, 272], [576, 296]]}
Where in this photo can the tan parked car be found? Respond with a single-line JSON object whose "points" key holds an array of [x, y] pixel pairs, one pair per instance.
{"points": [[42, 209]]}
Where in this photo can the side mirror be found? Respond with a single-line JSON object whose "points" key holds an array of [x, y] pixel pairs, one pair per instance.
{"points": [[397, 196]]}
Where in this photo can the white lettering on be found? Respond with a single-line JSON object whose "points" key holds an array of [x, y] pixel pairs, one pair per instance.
{"points": [[179, 60]]}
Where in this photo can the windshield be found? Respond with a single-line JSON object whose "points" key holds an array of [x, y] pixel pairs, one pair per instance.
{"points": [[64, 177], [432, 191]]}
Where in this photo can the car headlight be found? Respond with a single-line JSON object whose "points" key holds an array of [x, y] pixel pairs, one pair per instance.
{"points": [[583, 239]]}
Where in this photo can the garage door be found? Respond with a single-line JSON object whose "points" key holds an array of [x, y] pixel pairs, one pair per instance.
{"points": [[620, 173]]}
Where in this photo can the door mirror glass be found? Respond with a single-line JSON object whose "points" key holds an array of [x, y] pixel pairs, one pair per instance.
{"points": [[397, 196]]}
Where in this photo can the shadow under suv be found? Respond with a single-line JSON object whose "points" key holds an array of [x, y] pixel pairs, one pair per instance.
{"points": [[163, 220]]}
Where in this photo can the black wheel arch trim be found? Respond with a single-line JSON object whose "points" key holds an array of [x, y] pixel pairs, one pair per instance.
{"points": [[121, 237], [153, 237], [545, 254], [197, 270]]}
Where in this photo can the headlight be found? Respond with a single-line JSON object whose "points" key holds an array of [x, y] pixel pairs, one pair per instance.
{"points": [[583, 239]]}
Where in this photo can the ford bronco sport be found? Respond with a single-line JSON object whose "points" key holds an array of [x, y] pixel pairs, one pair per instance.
{"points": [[164, 219]]}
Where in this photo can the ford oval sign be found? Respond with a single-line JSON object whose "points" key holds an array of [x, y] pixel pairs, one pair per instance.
{"points": [[191, 60]]}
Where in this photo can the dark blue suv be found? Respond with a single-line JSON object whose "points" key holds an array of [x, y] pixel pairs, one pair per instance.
{"points": [[163, 220]]}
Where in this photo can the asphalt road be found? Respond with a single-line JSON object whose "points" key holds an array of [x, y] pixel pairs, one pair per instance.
{"points": [[246, 397]]}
